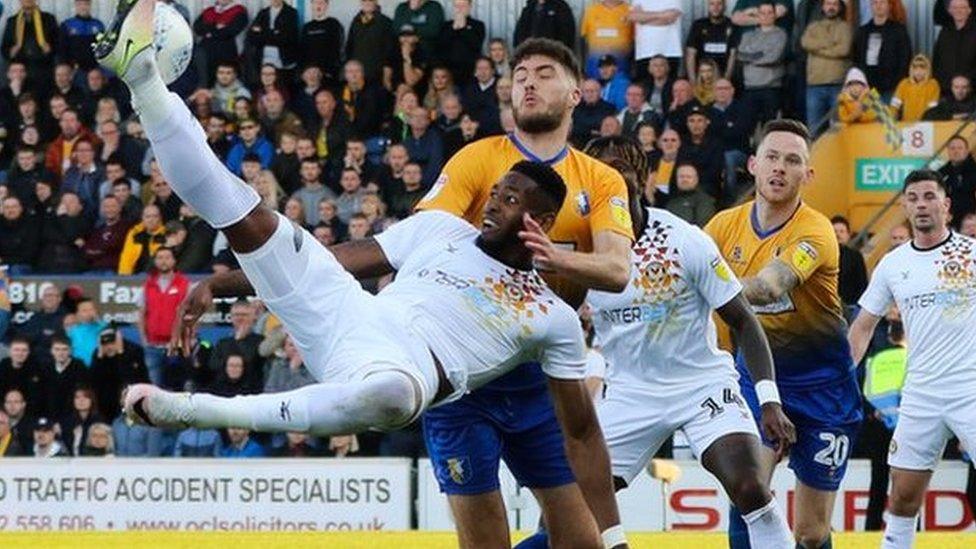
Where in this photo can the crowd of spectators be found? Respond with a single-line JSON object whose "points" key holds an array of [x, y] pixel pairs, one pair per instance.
{"points": [[343, 128]]}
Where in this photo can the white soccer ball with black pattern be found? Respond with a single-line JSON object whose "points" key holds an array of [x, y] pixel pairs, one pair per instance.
{"points": [[173, 41]]}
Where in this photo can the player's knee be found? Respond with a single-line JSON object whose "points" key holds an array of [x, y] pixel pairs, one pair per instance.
{"points": [[811, 535], [749, 493], [395, 400], [903, 502]]}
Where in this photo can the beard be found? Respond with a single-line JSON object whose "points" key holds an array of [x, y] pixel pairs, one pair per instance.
{"points": [[542, 122]]}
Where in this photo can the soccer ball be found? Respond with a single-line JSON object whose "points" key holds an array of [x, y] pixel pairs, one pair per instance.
{"points": [[173, 41]]}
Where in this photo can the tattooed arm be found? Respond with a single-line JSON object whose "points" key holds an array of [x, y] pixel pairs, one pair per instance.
{"points": [[771, 283]]}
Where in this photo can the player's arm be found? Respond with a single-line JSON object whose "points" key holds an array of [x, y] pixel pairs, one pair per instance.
{"points": [[774, 281], [607, 268], [754, 346], [587, 451], [564, 363], [859, 335]]}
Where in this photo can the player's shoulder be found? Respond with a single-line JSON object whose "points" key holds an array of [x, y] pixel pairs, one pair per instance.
{"points": [[443, 221], [809, 220], [477, 150], [668, 224], [595, 171], [729, 218]]}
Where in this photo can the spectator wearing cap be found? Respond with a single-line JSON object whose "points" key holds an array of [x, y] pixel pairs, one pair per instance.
{"points": [[46, 444], [852, 103], [827, 43], [31, 37], [85, 330], [958, 105], [613, 84], [551, 19], [657, 31], [883, 50], [955, 47], [63, 235], [273, 39], [960, 175], [59, 377], [142, 241], [589, 113], [424, 145], [362, 100], [605, 30], [321, 41], [711, 37], [77, 36], [409, 62], [425, 16], [688, 201], [461, 42], [251, 141], [19, 237], [216, 30], [917, 92], [704, 151], [164, 289], [372, 40], [116, 365], [9, 444], [762, 52]]}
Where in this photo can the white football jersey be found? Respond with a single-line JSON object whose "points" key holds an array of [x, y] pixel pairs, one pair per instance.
{"points": [[935, 291], [476, 314], [658, 334]]}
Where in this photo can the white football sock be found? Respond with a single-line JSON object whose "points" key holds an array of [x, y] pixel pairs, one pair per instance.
{"points": [[768, 528], [383, 400], [899, 532], [180, 145]]}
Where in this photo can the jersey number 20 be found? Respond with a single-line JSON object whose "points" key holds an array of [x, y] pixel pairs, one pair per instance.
{"points": [[835, 453]]}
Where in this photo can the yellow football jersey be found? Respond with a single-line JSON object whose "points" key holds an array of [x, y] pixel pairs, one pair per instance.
{"points": [[596, 195], [806, 327]]}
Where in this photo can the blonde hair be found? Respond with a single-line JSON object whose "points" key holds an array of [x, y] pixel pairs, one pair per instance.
{"points": [[374, 199], [275, 192], [105, 429]]}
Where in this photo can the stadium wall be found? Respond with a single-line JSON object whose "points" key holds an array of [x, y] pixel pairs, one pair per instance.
{"points": [[369, 494]]}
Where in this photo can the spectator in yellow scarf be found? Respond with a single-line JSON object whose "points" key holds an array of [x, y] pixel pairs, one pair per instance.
{"points": [[31, 36]]}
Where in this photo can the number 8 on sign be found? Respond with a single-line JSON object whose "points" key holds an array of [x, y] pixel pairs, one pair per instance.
{"points": [[917, 139]]}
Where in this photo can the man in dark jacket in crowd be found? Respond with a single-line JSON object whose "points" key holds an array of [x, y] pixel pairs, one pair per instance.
{"points": [[461, 42], [19, 237], [117, 364], [31, 37], [216, 29], [960, 174], [104, 244], [322, 38], [547, 19], [78, 34], [853, 278], [589, 113], [272, 39], [955, 48], [46, 322], [372, 40], [62, 236], [60, 376], [882, 49]]}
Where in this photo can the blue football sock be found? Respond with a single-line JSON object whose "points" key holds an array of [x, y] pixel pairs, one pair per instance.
{"points": [[738, 532]]}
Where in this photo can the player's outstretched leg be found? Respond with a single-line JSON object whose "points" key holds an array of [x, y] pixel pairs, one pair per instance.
{"points": [[383, 400], [178, 141], [735, 460]]}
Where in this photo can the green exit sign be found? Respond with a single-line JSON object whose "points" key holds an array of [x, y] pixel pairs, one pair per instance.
{"points": [[884, 174]]}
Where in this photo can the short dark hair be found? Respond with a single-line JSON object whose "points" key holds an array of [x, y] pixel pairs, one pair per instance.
{"points": [[166, 249], [925, 174], [228, 64], [552, 49], [125, 182], [546, 178], [686, 164], [959, 138], [251, 157], [787, 125], [20, 339], [60, 339], [840, 220], [310, 160]]}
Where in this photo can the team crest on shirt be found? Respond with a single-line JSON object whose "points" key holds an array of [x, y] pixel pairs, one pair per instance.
{"points": [[458, 470], [893, 447], [736, 255], [583, 203]]}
